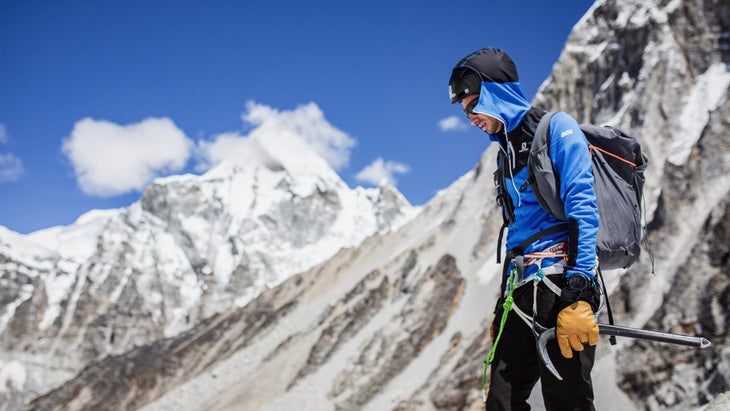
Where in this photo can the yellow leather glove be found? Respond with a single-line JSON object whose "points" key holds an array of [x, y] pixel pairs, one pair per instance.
{"points": [[576, 326]]}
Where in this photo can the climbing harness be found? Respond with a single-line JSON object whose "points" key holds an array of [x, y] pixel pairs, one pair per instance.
{"points": [[516, 280]]}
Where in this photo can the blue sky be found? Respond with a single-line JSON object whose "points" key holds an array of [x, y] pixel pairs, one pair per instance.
{"points": [[77, 74]]}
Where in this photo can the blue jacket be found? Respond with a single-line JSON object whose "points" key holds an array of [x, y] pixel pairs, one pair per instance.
{"points": [[571, 159]]}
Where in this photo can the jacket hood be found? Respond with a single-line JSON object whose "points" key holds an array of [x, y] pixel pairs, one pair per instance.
{"points": [[500, 96], [504, 101]]}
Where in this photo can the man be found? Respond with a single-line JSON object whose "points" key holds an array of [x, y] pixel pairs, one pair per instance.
{"points": [[486, 84]]}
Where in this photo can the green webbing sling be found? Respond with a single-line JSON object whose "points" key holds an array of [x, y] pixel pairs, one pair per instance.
{"points": [[507, 306]]}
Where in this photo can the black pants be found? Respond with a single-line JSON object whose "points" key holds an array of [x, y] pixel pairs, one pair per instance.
{"points": [[516, 367]]}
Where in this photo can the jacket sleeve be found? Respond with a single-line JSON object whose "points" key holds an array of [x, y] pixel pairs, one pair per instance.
{"points": [[572, 161]]}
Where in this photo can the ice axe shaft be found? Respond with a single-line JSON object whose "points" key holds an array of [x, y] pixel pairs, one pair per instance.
{"points": [[620, 331], [679, 339]]}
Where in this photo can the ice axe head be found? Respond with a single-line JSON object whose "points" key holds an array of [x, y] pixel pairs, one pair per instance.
{"points": [[542, 351]]}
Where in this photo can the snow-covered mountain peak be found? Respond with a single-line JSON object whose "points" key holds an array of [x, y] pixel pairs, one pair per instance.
{"points": [[76, 241]]}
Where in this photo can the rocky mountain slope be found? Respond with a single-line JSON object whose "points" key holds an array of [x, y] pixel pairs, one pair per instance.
{"points": [[400, 321]]}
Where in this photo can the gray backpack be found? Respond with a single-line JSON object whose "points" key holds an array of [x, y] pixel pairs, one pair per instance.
{"points": [[618, 171]]}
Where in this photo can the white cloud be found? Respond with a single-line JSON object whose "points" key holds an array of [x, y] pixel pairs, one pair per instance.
{"points": [[308, 122], [452, 123], [111, 159], [232, 148], [297, 138], [380, 172], [11, 167]]}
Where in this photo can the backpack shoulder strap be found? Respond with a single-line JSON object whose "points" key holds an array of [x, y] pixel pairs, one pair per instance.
{"points": [[542, 133], [541, 175]]}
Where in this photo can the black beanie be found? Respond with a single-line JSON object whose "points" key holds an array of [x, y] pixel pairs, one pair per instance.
{"points": [[489, 64]]}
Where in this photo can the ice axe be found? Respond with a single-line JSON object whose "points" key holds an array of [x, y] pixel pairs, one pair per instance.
{"points": [[606, 329]]}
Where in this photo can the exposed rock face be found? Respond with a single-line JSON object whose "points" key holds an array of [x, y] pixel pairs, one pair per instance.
{"points": [[722, 402], [130, 380], [678, 378], [388, 352]]}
